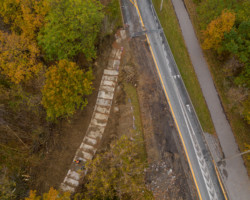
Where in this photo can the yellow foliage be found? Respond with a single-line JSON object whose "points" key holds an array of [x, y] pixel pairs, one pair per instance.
{"points": [[33, 196], [26, 16], [53, 194], [64, 89], [18, 57], [214, 33]]}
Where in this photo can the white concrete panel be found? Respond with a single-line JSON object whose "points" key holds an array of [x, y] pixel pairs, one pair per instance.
{"points": [[90, 140], [104, 102], [100, 116], [65, 188], [111, 72], [105, 94], [117, 62], [72, 182], [107, 88], [86, 146], [109, 83], [109, 78], [74, 175], [123, 34], [104, 110], [118, 54], [98, 123], [87, 155]]}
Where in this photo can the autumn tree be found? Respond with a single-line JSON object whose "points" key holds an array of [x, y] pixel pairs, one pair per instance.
{"points": [[237, 43], [216, 29], [24, 16], [53, 194], [18, 57], [72, 27], [65, 88], [117, 173]]}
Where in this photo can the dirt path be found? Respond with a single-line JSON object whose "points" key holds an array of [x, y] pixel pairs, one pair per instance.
{"points": [[67, 136], [99, 120], [235, 174]]}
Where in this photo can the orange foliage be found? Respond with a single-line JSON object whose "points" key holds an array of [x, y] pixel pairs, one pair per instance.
{"points": [[214, 33], [64, 89], [26, 16], [18, 57], [53, 194]]}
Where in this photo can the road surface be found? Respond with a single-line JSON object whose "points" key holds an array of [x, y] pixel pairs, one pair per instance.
{"points": [[186, 121], [236, 178]]}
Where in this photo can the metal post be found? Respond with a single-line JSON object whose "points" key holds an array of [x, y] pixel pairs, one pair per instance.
{"points": [[161, 5]]}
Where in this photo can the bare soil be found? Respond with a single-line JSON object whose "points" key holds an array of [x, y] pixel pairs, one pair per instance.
{"points": [[165, 175], [68, 134]]}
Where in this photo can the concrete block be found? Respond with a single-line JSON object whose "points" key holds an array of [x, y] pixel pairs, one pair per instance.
{"points": [[108, 83], [90, 140], [87, 155], [100, 116], [72, 182], [104, 110], [64, 187], [74, 175], [104, 102], [105, 95], [123, 34], [110, 72], [87, 147], [98, 122], [109, 78]]}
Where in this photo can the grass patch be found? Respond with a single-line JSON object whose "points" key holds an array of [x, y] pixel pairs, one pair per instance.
{"points": [[114, 13], [131, 94], [173, 33], [240, 128]]}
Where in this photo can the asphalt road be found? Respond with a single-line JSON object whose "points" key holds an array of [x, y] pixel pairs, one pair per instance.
{"points": [[188, 126], [236, 178]]}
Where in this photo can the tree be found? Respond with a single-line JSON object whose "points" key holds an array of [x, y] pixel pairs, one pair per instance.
{"points": [[237, 42], [25, 17], [72, 27], [216, 29], [53, 194], [117, 173], [18, 57], [64, 89]]}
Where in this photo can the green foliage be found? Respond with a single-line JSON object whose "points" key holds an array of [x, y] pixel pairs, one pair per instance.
{"points": [[214, 34], [72, 27], [246, 112], [237, 42], [113, 11], [211, 9], [118, 173], [242, 12], [7, 186], [64, 89]]}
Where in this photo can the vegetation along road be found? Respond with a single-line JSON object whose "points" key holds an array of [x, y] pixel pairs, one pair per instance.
{"points": [[237, 180], [185, 118]]}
